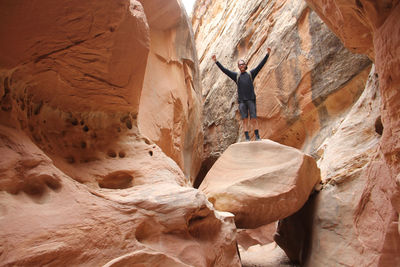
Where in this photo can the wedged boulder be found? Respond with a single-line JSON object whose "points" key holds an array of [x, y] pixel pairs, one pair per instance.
{"points": [[260, 182]]}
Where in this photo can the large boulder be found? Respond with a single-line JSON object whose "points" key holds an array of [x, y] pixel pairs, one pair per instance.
{"points": [[260, 182]]}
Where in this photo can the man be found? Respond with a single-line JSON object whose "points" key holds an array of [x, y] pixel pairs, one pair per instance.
{"points": [[246, 95]]}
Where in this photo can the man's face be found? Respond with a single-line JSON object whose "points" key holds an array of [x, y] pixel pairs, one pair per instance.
{"points": [[242, 65]]}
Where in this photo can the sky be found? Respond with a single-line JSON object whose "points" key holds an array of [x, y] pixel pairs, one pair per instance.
{"points": [[188, 5]]}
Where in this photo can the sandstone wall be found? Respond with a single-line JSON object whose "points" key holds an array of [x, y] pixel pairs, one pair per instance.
{"points": [[170, 108], [372, 27], [79, 182], [308, 96], [296, 104]]}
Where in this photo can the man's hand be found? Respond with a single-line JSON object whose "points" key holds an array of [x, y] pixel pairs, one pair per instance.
{"points": [[269, 50], [214, 58]]}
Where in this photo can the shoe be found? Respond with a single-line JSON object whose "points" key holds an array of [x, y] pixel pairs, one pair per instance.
{"points": [[247, 140], [258, 139]]}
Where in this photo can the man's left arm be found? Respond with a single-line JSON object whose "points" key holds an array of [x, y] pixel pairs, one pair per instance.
{"points": [[257, 69]]}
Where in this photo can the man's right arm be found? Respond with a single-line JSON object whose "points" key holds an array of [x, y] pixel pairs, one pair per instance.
{"points": [[229, 73]]}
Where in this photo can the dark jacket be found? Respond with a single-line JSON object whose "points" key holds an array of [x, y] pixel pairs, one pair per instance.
{"points": [[245, 82]]}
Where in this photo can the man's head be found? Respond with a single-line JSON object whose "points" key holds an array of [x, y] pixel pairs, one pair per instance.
{"points": [[242, 65]]}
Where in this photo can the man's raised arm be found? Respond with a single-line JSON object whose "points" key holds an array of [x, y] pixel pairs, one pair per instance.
{"points": [[229, 73], [257, 69]]}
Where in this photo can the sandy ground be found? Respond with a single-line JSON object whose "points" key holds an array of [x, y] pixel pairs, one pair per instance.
{"points": [[269, 255]]}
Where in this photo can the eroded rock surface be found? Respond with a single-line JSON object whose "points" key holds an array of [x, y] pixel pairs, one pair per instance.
{"points": [[377, 204], [356, 142], [79, 183], [259, 236], [260, 182]]}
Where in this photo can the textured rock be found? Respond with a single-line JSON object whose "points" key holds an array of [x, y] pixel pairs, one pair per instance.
{"points": [[79, 183], [259, 236], [260, 182], [340, 224], [309, 82], [355, 23], [48, 218], [58, 72], [378, 205], [356, 213]]}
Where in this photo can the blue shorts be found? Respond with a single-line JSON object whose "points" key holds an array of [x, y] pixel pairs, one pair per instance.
{"points": [[246, 107]]}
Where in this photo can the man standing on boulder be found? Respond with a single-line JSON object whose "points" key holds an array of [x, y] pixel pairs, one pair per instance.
{"points": [[246, 96]]}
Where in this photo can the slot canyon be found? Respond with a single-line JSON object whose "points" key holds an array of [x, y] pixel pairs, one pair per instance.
{"points": [[121, 141]]}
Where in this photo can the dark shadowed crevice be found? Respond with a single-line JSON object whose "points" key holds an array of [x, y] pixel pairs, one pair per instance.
{"points": [[205, 167]]}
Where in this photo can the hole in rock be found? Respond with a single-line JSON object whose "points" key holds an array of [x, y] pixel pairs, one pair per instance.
{"points": [[52, 182], [70, 159], [203, 225], [121, 154], [124, 118], [74, 121], [37, 108], [147, 230], [151, 153], [111, 154], [83, 144], [85, 128], [128, 124], [33, 188], [36, 185], [147, 141], [359, 4], [378, 125], [116, 180]]}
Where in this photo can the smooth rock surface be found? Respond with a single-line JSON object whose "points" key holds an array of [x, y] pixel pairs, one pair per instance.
{"points": [[170, 110], [260, 182]]}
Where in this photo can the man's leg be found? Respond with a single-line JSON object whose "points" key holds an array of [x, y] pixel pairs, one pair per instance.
{"points": [[254, 125], [245, 121], [253, 118]]}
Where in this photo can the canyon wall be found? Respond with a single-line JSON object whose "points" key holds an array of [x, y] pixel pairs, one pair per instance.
{"points": [[318, 93], [296, 104], [372, 28], [170, 107], [84, 179]]}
